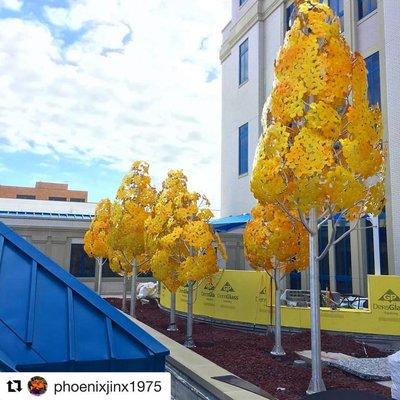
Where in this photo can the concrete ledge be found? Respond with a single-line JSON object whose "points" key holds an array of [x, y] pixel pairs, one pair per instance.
{"points": [[200, 370]]}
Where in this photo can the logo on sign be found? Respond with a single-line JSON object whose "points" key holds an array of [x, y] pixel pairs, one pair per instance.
{"points": [[227, 288], [390, 296], [228, 293], [209, 286]]}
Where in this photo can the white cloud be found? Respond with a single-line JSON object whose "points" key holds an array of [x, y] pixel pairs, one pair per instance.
{"points": [[134, 86], [14, 5]]}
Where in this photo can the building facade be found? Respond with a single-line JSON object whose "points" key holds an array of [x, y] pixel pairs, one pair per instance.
{"points": [[44, 191], [57, 229], [251, 41]]}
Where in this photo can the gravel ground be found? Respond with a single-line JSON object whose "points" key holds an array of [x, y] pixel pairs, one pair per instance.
{"points": [[246, 355]]}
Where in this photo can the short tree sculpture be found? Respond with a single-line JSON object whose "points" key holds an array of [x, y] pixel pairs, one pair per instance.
{"points": [[133, 205], [278, 245], [182, 243], [96, 237], [322, 152]]}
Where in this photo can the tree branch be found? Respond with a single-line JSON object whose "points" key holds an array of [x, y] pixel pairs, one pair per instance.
{"points": [[347, 233], [331, 239], [303, 220], [287, 212], [325, 215]]}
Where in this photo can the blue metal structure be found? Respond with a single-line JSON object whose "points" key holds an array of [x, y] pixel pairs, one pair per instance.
{"points": [[228, 223], [49, 321], [45, 215]]}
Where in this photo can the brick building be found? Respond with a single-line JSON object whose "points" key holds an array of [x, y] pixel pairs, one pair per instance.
{"points": [[44, 191]]}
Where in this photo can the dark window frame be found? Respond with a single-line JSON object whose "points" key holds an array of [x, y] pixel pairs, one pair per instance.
{"points": [[77, 200], [243, 153], [338, 8], [26, 197], [244, 62], [83, 266], [372, 63], [289, 11], [366, 7], [57, 198]]}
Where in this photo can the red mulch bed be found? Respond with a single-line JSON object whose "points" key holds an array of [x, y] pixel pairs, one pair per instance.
{"points": [[246, 354]]}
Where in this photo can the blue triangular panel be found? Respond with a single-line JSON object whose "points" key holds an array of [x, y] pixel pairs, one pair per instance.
{"points": [[49, 321]]}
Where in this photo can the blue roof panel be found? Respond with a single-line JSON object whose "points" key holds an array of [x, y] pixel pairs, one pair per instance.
{"points": [[49, 321], [228, 223], [47, 215]]}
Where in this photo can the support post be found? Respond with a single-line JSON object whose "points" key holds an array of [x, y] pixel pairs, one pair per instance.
{"points": [[377, 255], [316, 384], [99, 261], [278, 349], [172, 314], [133, 290], [124, 294], [189, 318]]}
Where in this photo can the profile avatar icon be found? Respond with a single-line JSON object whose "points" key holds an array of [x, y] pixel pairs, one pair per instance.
{"points": [[37, 386]]}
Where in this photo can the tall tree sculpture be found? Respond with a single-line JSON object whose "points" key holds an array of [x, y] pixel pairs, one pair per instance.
{"points": [[322, 153], [96, 237], [133, 205], [183, 245], [278, 245]]}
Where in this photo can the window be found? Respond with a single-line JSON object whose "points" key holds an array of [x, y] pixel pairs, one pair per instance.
{"points": [[76, 200], [243, 149], [244, 62], [241, 2], [324, 263], [289, 11], [26, 196], [82, 266], [55, 198], [343, 262], [295, 280], [366, 7], [289, 16], [374, 79], [338, 9]]}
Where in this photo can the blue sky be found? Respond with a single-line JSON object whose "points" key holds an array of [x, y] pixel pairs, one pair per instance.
{"points": [[88, 86]]}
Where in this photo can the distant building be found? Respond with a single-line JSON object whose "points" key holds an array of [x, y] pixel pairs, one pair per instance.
{"points": [[57, 229], [251, 41], [44, 191]]}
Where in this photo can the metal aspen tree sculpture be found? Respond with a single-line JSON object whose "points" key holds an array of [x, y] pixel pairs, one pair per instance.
{"points": [[133, 205], [322, 153], [183, 246], [279, 245], [96, 238]]}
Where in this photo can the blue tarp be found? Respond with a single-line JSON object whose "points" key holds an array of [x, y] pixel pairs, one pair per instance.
{"points": [[228, 223], [49, 321]]}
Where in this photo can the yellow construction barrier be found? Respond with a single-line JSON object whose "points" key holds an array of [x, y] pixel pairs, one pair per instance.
{"points": [[245, 296]]}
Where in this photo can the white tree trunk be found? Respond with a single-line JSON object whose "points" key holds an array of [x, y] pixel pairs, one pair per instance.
{"points": [[124, 294], [189, 342], [278, 349], [99, 275], [133, 290], [316, 384], [172, 314]]}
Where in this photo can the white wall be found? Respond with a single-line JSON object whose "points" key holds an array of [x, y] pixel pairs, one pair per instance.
{"points": [[391, 76], [244, 104], [239, 106], [48, 206]]}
